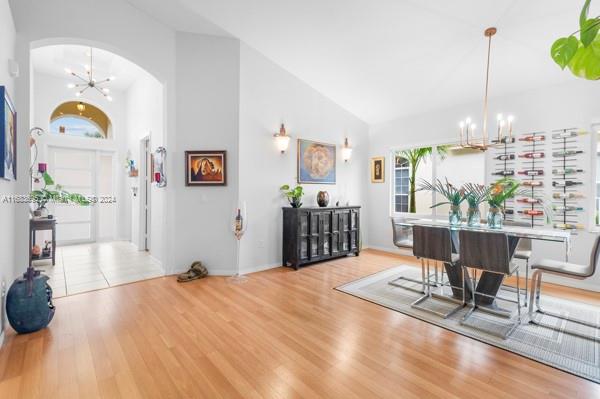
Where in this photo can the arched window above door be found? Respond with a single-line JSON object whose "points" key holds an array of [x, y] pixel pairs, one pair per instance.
{"points": [[80, 119]]}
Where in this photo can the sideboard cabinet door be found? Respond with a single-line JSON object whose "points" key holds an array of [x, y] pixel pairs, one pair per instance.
{"points": [[314, 234]]}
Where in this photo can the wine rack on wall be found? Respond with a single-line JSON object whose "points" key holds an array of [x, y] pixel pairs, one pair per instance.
{"points": [[551, 165], [567, 179], [531, 173], [504, 164]]}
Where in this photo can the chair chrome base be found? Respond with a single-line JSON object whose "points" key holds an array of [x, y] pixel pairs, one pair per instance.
{"points": [[422, 282], [429, 295], [536, 289], [524, 291]]}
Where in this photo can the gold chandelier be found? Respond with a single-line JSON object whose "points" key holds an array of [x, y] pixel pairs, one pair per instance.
{"points": [[468, 137]]}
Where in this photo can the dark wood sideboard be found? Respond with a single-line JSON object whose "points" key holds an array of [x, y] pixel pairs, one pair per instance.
{"points": [[317, 234]]}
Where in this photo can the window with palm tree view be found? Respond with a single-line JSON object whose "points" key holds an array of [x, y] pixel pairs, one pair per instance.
{"points": [[414, 165]]}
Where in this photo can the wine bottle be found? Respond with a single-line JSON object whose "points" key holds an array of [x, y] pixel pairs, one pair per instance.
{"points": [[566, 183], [529, 200], [532, 137], [532, 212], [504, 140], [532, 183], [567, 196], [568, 226], [567, 153], [538, 172], [505, 157], [532, 155], [567, 208], [238, 221], [509, 212], [567, 171], [509, 172], [566, 135]]}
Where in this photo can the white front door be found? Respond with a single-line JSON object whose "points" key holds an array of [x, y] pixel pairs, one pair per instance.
{"points": [[74, 170], [89, 173]]}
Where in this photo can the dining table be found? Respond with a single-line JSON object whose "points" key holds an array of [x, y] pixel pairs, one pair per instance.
{"points": [[489, 283]]}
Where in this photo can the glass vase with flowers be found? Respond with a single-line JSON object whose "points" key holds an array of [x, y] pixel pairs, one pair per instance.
{"points": [[454, 197], [500, 191], [475, 195]]}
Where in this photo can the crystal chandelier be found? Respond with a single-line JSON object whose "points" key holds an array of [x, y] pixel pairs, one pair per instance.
{"points": [[468, 136], [89, 81]]}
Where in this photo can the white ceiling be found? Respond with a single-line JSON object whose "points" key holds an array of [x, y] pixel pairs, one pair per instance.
{"points": [[384, 59], [52, 60]]}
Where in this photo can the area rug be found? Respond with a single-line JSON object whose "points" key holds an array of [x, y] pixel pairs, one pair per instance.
{"points": [[575, 355]]}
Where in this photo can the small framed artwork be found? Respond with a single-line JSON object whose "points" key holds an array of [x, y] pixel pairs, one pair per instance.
{"points": [[378, 170], [316, 162], [8, 137], [205, 168]]}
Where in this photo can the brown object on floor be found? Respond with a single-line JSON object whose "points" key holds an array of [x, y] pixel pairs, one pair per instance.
{"points": [[282, 334], [196, 271]]}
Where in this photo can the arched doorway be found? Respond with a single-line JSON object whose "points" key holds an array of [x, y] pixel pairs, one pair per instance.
{"points": [[93, 146]]}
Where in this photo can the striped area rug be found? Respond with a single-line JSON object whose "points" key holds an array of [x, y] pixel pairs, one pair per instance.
{"points": [[575, 355]]}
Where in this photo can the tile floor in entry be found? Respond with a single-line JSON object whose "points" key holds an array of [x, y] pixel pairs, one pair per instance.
{"points": [[88, 267]]}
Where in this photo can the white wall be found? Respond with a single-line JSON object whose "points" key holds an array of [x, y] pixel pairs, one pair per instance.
{"points": [[117, 27], [8, 268], [144, 117], [564, 106], [207, 119], [269, 95]]}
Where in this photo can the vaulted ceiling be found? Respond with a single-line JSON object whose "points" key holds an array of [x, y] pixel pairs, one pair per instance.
{"points": [[384, 59]]}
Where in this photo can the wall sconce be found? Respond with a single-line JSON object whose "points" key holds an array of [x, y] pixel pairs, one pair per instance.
{"points": [[346, 151], [282, 139]]}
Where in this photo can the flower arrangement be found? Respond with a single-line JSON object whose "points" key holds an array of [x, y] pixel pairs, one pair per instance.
{"points": [[502, 190]]}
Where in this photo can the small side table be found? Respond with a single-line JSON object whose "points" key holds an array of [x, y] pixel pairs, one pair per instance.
{"points": [[39, 224]]}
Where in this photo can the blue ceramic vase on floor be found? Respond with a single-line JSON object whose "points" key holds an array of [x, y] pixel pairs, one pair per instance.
{"points": [[29, 302]]}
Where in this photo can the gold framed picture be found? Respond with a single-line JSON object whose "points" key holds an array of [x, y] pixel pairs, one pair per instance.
{"points": [[205, 168], [378, 170]]}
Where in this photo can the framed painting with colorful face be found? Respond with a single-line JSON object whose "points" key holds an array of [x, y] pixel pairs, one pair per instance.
{"points": [[316, 162], [205, 168], [8, 137]]}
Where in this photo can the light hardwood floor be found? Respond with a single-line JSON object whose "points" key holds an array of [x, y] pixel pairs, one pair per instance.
{"points": [[283, 334]]}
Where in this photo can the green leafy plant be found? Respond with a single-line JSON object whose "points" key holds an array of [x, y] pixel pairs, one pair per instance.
{"points": [[502, 190], [414, 157], [454, 196], [581, 55], [476, 194], [294, 195], [53, 192]]}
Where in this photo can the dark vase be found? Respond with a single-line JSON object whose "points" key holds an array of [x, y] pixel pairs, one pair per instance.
{"points": [[29, 303], [323, 198]]}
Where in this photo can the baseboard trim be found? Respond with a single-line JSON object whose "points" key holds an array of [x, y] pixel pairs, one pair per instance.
{"points": [[2, 334], [246, 270]]}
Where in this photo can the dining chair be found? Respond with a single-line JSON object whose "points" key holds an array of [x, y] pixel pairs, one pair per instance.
{"points": [[435, 243], [562, 269], [403, 239], [522, 252], [488, 252]]}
